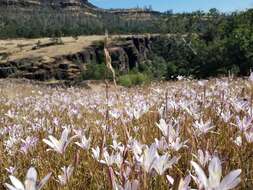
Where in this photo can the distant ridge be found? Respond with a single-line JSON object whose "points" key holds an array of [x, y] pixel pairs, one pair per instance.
{"points": [[81, 5]]}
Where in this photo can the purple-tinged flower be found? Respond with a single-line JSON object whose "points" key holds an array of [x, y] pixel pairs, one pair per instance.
{"points": [[61, 144], [162, 163], [230, 181], [30, 181], [170, 180], [130, 185], [28, 143], [85, 142], [202, 127], [11, 170], [226, 116], [203, 157], [243, 124], [96, 153], [64, 178], [249, 136], [184, 183], [148, 158]]}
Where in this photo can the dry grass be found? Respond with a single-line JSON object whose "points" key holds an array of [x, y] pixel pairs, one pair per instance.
{"points": [[22, 48], [37, 111]]}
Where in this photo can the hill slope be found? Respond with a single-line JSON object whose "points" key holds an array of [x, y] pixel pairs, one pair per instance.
{"points": [[76, 5]]}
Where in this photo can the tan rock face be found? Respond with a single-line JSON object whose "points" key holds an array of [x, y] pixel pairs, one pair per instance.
{"points": [[126, 54]]}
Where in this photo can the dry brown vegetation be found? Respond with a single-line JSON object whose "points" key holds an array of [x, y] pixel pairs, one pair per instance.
{"points": [[126, 116], [23, 48]]}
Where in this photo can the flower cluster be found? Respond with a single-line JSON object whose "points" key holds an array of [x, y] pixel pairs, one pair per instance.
{"points": [[180, 135]]}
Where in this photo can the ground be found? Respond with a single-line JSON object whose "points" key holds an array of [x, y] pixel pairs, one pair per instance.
{"points": [[22, 48]]}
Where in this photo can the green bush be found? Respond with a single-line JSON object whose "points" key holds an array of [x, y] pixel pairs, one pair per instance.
{"points": [[171, 70], [125, 80], [96, 72], [133, 79]]}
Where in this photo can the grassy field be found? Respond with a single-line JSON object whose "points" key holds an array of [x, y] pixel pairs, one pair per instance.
{"points": [[22, 48], [172, 135], [17, 49]]}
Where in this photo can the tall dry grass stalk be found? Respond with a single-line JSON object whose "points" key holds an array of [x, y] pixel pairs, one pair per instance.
{"points": [[108, 59]]}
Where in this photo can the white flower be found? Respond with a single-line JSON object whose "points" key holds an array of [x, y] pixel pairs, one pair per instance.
{"points": [[167, 130], [184, 183], [30, 181], [61, 144], [226, 116], [202, 82], [96, 153], [243, 124], [251, 77], [238, 141], [148, 158], [117, 146], [109, 160], [67, 173], [162, 163], [177, 144], [170, 179], [136, 148], [11, 170], [130, 185], [171, 133], [249, 136], [213, 182], [202, 128], [85, 143], [179, 77], [203, 157]]}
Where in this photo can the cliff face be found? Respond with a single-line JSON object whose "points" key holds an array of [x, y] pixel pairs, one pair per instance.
{"points": [[126, 54], [78, 6], [27, 3]]}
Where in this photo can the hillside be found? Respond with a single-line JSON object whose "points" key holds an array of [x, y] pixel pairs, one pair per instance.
{"points": [[81, 6], [67, 58]]}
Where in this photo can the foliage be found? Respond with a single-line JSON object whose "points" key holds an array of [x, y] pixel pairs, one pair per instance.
{"points": [[133, 79], [96, 72]]}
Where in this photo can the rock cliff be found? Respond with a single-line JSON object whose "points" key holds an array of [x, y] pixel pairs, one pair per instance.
{"points": [[126, 53]]}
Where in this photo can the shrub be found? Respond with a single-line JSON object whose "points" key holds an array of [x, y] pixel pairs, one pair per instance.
{"points": [[133, 79], [171, 70], [125, 80], [96, 72]]}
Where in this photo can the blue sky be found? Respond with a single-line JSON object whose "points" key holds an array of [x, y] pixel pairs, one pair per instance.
{"points": [[178, 5]]}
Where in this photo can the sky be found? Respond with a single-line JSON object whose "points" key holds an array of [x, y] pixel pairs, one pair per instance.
{"points": [[178, 5]]}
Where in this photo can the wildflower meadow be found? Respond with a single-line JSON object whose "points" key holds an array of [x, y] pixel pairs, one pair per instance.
{"points": [[182, 135]]}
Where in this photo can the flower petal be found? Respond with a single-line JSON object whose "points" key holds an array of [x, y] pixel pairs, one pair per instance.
{"points": [[31, 178], [44, 181], [17, 184], [200, 173], [215, 172], [10, 187], [231, 180]]}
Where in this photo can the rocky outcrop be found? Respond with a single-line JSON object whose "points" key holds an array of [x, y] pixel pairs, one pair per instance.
{"points": [[79, 7], [50, 3], [126, 54]]}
